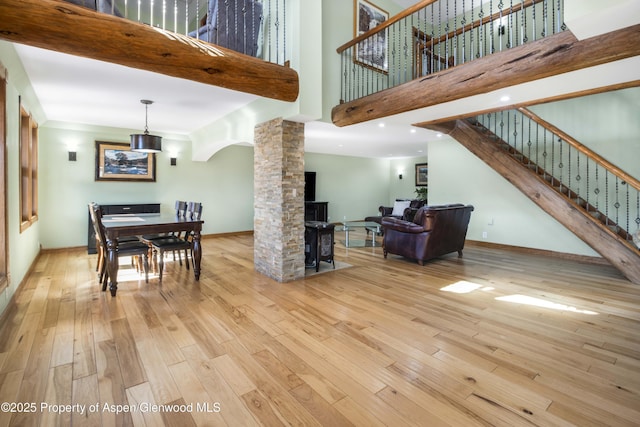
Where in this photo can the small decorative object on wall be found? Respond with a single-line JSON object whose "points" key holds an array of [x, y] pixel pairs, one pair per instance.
{"points": [[422, 174], [371, 52], [116, 162]]}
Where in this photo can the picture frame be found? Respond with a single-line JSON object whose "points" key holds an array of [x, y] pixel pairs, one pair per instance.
{"points": [[422, 174], [371, 52], [116, 162]]}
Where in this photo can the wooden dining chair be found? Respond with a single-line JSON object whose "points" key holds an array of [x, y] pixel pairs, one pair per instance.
{"points": [[179, 242], [180, 209], [134, 248]]}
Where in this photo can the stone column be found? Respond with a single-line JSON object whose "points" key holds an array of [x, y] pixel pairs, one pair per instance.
{"points": [[278, 165]]}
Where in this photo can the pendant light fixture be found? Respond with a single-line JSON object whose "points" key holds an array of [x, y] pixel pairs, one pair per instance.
{"points": [[144, 142]]}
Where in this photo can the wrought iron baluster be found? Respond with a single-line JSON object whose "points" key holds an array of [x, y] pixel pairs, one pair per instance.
{"points": [[588, 182], [578, 176], [431, 51], [627, 205], [471, 45], [447, 48], [561, 166], [463, 22], [481, 46], [544, 18], [523, 18], [533, 22], [530, 143], [606, 196], [596, 190], [492, 47], [439, 35], [277, 30], [637, 220], [511, 31], [455, 32], [616, 205]]}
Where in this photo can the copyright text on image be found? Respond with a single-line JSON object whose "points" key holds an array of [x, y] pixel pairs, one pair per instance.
{"points": [[78, 408]]}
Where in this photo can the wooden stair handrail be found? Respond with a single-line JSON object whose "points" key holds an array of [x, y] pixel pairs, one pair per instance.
{"points": [[386, 24], [584, 150], [485, 20], [425, 3]]}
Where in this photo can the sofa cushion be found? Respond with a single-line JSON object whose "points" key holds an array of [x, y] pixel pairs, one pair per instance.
{"points": [[399, 206]]}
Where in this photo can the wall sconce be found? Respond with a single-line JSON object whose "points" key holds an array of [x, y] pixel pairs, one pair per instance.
{"points": [[399, 176], [174, 161], [72, 156]]}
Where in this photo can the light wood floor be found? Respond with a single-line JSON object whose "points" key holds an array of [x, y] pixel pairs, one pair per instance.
{"points": [[493, 338]]}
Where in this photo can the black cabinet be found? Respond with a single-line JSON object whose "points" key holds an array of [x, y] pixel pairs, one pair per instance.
{"points": [[316, 211], [122, 209], [318, 243]]}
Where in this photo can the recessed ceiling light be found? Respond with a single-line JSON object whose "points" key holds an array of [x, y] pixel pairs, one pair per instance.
{"points": [[381, 125], [439, 135], [505, 98]]}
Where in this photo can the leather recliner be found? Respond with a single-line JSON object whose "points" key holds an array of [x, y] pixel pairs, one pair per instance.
{"points": [[434, 231]]}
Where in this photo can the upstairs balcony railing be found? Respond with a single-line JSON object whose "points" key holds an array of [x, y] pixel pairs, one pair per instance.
{"points": [[608, 193], [253, 27], [433, 36]]}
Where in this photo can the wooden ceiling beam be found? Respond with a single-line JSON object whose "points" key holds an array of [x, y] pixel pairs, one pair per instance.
{"points": [[553, 55], [65, 27]]}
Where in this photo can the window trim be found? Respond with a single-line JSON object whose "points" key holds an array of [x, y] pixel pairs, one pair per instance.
{"points": [[4, 246], [28, 170]]}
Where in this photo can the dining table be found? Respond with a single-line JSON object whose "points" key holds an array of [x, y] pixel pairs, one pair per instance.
{"points": [[118, 226]]}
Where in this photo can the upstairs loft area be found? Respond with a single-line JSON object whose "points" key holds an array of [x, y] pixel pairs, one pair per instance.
{"points": [[256, 60], [434, 36], [233, 24], [436, 52]]}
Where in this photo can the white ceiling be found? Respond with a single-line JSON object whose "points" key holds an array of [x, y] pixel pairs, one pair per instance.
{"points": [[79, 90]]}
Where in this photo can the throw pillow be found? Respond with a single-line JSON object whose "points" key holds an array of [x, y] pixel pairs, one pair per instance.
{"points": [[399, 207]]}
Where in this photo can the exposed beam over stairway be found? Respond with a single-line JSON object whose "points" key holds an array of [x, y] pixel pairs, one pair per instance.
{"points": [[607, 243], [553, 55], [67, 28]]}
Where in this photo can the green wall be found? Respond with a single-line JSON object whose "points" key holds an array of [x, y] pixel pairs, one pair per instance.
{"points": [[224, 184], [502, 211], [23, 247], [353, 186]]}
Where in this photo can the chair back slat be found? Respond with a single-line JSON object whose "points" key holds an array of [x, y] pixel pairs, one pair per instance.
{"points": [[181, 209], [194, 211]]}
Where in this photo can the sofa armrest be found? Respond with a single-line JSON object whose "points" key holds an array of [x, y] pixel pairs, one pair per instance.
{"points": [[391, 223], [385, 210]]}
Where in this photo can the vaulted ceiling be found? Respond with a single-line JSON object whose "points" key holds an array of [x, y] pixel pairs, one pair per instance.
{"points": [[79, 90]]}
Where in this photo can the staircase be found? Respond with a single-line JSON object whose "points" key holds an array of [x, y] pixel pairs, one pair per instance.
{"points": [[592, 198]]}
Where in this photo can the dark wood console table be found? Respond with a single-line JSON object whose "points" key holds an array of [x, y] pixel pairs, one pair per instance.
{"points": [[120, 209]]}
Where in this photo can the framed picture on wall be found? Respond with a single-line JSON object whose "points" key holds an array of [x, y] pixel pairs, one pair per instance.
{"points": [[371, 52], [116, 162], [422, 174]]}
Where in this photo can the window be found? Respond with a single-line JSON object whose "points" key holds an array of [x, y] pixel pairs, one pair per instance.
{"points": [[4, 249], [28, 170]]}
